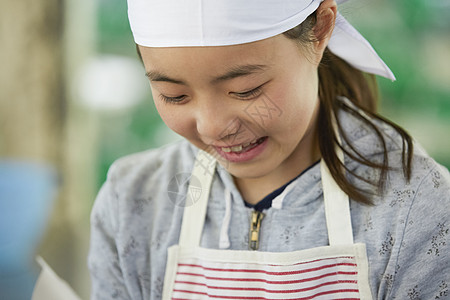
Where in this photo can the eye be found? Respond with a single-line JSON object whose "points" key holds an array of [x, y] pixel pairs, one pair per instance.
{"points": [[177, 99], [247, 95]]}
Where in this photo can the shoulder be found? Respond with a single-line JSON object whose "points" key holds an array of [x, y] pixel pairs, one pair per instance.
{"points": [[429, 183], [364, 143], [137, 185], [151, 167], [430, 179], [362, 133]]}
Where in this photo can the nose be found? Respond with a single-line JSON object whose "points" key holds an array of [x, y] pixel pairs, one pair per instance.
{"points": [[215, 120]]}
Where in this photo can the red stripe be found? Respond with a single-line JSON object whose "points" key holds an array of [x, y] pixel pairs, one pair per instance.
{"points": [[269, 281], [264, 298], [313, 261], [266, 290], [277, 299], [267, 272], [331, 292], [316, 260]]}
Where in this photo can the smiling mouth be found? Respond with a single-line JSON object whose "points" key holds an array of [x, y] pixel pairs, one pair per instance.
{"points": [[243, 147]]}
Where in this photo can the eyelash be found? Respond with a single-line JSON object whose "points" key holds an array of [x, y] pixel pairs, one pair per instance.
{"points": [[243, 96], [249, 94], [175, 100]]}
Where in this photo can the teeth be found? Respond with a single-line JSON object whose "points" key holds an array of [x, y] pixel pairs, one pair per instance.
{"points": [[255, 141], [238, 148], [234, 149]]}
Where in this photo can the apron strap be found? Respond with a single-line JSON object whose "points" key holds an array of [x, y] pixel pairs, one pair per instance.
{"points": [[337, 203], [337, 210], [194, 214]]}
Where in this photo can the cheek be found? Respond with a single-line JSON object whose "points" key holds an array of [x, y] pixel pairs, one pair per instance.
{"points": [[175, 118], [296, 101], [304, 89], [293, 99]]}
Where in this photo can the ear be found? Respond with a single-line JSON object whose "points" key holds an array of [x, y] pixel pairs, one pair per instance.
{"points": [[326, 17]]}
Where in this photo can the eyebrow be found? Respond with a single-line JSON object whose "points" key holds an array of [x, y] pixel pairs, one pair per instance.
{"points": [[158, 76], [240, 71], [232, 73]]}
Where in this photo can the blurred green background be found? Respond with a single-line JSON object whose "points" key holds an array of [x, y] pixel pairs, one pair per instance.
{"points": [[97, 104]]}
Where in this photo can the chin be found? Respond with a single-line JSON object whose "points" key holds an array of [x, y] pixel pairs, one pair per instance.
{"points": [[249, 171]]}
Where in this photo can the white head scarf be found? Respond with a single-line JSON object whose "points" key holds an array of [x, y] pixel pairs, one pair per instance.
{"points": [[179, 23]]}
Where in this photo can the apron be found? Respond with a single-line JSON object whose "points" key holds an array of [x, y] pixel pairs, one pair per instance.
{"points": [[337, 271]]}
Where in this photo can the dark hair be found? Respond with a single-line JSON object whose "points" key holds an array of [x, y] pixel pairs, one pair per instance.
{"points": [[338, 78]]}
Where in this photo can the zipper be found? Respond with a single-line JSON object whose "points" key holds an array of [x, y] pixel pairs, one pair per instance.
{"points": [[255, 226]]}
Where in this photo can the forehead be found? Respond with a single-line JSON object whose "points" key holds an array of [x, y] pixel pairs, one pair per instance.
{"points": [[213, 60]]}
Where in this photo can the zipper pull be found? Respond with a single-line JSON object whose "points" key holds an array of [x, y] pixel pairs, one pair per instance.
{"points": [[255, 225]]}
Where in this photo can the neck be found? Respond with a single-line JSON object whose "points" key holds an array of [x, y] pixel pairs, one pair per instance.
{"points": [[254, 190]]}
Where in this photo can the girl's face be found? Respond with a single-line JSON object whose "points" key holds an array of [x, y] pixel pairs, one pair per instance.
{"points": [[252, 106]]}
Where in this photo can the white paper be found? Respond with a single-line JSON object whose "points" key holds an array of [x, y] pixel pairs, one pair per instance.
{"points": [[50, 287]]}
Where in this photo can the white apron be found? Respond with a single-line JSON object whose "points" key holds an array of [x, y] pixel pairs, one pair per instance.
{"points": [[337, 271]]}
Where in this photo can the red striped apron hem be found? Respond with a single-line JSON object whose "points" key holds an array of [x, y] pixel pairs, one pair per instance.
{"points": [[268, 281], [264, 298], [266, 290], [267, 272]]}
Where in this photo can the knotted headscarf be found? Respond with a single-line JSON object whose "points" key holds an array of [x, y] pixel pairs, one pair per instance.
{"points": [[178, 23]]}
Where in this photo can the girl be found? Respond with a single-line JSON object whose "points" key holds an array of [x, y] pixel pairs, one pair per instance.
{"points": [[288, 185]]}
